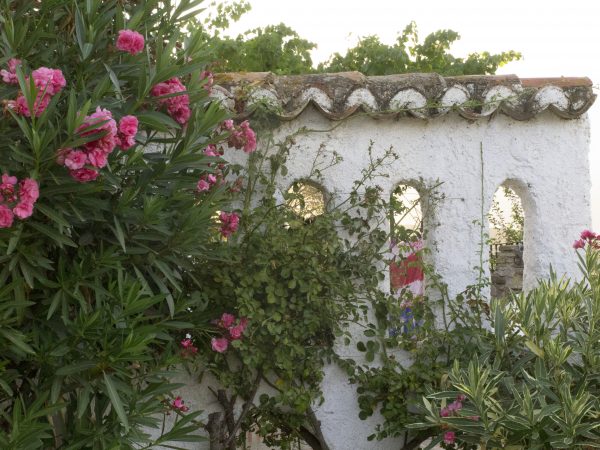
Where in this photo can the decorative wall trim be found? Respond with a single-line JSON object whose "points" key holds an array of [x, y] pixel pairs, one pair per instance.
{"points": [[424, 96]]}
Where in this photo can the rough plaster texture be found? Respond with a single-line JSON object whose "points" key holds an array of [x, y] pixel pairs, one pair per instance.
{"points": [[544, 159]]}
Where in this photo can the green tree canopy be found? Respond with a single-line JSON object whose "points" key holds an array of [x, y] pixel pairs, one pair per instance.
{"points": [[279, 49]]}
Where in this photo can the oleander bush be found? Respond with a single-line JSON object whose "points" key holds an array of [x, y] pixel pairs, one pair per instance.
{"points": [[533, 382], [110, 199]]}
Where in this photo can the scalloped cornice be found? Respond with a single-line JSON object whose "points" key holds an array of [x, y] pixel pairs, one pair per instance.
{"points": [[425, 96]]}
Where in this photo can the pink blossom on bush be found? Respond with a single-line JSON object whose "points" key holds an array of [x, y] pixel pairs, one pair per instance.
{"points": [[128, 127], [242, 137], [17, 203], [6, 217], [23, 209], [206, 182], [130, 41], [219, 344], [229, 223], [84, 175], [587, 238], [29, 190], [98, 122], [10, 76], [48, 81], [227, 320], [75, 159], [178, 106], [228, 124], [188, 347], [587, 235], [449, 437], [178, 404], [20, 106], [202, 186], [211, 150], [97, 157], [237, 331]]}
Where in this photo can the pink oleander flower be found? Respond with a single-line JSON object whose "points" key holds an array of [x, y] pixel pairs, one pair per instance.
{"points": [[209, 80], [588, 235], [219, 345], [227, 320], [449, 437], [128, 127], [177, 106], [178, 404], [130, 41], [242, 137], [6, 217], [75, 159], [202, 186], [228, 124], [461, 398], [98, 122], [97, 158], [211, 150], [8, 180], [48, 81], [580, 243], [29, 190], [237, 331], [20, 106], [84, 174], [23, 209], [206, 182], [444, 412], [10, 76], [455, 406], [229, 223], [188, 347]]}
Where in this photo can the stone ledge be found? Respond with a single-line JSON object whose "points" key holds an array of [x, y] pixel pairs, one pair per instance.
{"points": [[421, 95]]}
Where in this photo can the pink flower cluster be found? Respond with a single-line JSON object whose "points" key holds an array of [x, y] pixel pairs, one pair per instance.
{"points": [[130, 41], [206, 182], [587, 238], [48, 83], [83, 163], [178, 405], [454, 407], [229, 223], [233, 329], [10, 76], [178, 106], [16, 199], [242, 137], [449, 437], [188, 348]]}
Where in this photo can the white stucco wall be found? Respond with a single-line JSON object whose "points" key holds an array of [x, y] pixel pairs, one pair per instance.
{"points": [[544, 159]]}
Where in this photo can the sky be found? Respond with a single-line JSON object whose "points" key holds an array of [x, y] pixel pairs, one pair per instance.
{"points": [[556, 38]]}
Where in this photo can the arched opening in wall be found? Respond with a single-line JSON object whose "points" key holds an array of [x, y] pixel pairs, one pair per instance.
{"points": [[406, 222], [306, 199], [506, 224]]}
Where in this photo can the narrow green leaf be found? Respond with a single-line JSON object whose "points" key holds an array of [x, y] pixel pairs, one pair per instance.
{"points": [[115, 400]]}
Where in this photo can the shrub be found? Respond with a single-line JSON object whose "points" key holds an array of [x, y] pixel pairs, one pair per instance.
{"points": [[533, 381], [102, 219]]}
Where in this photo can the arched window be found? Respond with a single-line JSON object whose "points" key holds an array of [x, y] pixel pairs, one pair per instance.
{"points": [[406, 220], [306, 199], [506, 221]]}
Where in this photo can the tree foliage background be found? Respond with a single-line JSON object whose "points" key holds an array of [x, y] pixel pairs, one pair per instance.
{"points": [[281, 50]]}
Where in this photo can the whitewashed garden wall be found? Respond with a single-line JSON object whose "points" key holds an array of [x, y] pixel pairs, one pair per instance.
{"points": [[470, 133]]}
